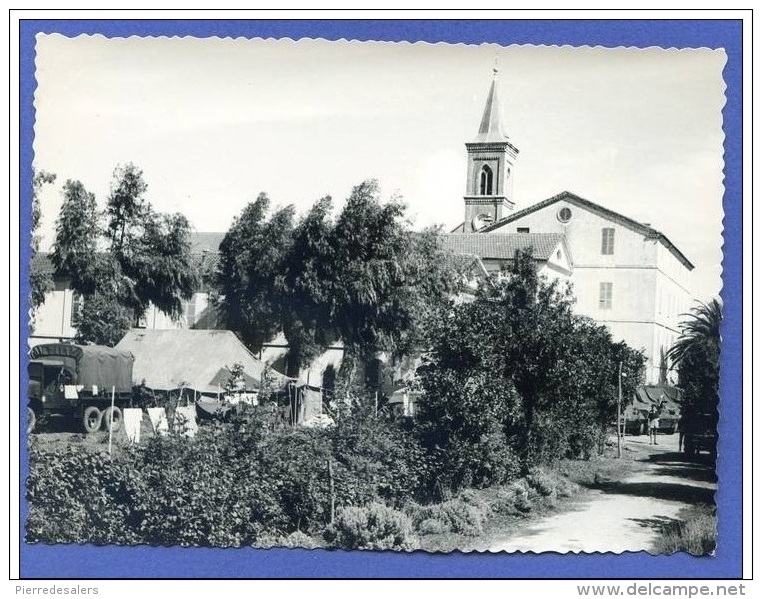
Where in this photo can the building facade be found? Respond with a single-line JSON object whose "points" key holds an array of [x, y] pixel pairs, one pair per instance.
{"points": [[625, 274]]}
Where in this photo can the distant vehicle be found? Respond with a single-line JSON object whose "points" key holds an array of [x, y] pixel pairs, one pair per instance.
{"points": [[668, 398], [76, 381], [700, 435]]}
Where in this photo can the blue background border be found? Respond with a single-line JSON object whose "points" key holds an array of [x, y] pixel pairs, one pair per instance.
{"points": [[40, 561]]}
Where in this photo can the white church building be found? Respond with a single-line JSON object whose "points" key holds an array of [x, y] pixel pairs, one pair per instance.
{"points": [[625, 274]]}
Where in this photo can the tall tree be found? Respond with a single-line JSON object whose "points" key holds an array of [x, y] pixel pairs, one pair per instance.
{"points": [[364, 277], [384, 276], [696, 355], [307, 267], [39, 279], [519, 355], [75, 252], [250, 275], [123, 260]]}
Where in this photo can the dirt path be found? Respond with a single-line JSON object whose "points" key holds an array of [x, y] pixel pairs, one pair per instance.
{"points": [[625, 515]]}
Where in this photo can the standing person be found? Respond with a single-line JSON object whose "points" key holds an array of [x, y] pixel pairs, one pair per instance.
{"points": [[681, 431], [653, 424]]}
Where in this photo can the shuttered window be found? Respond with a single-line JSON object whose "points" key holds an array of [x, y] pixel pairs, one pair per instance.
{"points": [[605, 296], [607, 242]]}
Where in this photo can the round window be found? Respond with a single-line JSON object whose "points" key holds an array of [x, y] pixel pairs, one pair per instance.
{"points": [[564, 214]]}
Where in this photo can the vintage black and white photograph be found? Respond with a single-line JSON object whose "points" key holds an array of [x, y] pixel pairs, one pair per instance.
{"points": [[375, 296]]}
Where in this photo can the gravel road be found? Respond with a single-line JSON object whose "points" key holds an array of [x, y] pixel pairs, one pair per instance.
{"points": [[625, 515]]}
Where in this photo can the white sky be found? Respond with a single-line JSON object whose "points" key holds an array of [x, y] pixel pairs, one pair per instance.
{"points": [[214, 122]]}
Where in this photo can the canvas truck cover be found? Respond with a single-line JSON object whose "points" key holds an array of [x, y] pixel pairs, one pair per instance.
{"points": [[98, 365]]}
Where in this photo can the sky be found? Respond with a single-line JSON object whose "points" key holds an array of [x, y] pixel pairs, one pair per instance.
{"points": [[214, 122]]}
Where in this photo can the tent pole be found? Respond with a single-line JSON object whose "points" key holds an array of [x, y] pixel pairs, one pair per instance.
{"points": [[111, 418]]}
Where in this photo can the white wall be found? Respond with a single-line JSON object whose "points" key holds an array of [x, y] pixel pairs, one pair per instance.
{"points": [[52, 320], [649, 284]]}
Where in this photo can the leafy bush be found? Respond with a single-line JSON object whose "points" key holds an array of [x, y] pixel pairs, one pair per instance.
{"points": [[235, 484], [694, 533], [295, 464], [376, 459], [79, 497], [542, 482], [462, 515], [374, 526], [462, 422]]}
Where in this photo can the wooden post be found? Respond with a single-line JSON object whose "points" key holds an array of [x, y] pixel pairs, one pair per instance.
{"points": [[111, 418], [619, 415], [330, 486]]}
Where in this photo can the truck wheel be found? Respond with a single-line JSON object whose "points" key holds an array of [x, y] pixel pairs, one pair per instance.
{"points": [[31, 420], [688, 446], [91, 419], [112, 417]]}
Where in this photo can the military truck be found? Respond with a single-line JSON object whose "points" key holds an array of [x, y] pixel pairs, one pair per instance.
{"points": [[700, 433], [77, 381]]}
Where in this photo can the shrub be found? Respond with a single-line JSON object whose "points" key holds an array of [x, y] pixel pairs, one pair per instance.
{"points": [[460, 515], [374, 526], [544, 483], [523, 494], [295, 464], [694, 533], [79, 497], [375, 459], [299, 539]]}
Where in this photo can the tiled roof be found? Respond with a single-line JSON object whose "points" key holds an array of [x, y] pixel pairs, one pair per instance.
{"points": [[205, 249], [502, 246], [206, 242], [567, 196]]}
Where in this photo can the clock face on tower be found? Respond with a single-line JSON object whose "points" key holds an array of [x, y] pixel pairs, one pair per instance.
{"points": [[480, 221]]}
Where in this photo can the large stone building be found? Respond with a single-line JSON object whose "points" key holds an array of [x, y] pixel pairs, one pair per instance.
{"points": [[625, 274]]}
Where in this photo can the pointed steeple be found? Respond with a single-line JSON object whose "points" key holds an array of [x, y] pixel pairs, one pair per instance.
{"points": [[491, 128], [491, 157]]}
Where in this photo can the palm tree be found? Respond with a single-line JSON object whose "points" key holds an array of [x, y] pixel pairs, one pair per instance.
{"points": [[696, 356], [700, 327]]}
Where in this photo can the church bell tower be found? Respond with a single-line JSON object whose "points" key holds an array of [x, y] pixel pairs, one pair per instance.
{"points": [[491, 157]]}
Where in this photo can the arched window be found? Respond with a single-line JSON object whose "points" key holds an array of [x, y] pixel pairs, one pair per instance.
{"points": [[485, 181]]}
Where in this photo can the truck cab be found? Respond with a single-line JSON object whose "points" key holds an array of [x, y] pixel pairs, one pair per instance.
{"points": [[79, 382]]}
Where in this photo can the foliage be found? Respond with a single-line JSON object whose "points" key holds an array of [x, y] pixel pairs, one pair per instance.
{"points": [[364, 278], [76, 244], [374, 526], [102, 319], [250, 275], [462, 515], [695, 532], [78, 497], [375, 458], [696, 355], [124, 259], [517, 373], [234, 484], [40, 281]]}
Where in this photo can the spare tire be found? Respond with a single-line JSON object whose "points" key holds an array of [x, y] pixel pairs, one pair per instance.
{"points": [[112, 417], [91, 419]]}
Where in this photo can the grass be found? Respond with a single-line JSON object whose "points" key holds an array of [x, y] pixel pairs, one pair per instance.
{"points": [[695, 532]]}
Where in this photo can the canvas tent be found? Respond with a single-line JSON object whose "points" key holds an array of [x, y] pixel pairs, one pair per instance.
{"points": [[200, 360]]}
